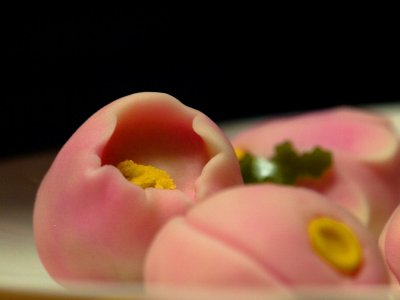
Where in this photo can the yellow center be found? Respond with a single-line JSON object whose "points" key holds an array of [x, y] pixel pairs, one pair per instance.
{"points": [[146, 176], [336, 243], [240, 153]]}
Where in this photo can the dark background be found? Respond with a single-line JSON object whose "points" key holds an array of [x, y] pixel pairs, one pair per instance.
{"points": [[60, 64]]}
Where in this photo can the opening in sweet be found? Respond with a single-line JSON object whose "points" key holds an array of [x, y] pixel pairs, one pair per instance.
{"points": [[159, 135], [146, 176], [335, 243]]}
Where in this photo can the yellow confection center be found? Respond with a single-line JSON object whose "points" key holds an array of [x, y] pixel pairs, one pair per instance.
{"points": [[240, 153], [146, 176], [336, 243]]}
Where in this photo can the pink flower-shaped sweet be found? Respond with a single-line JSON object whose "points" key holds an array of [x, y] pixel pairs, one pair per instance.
{"points": [[389, 242], [366, 156], [90, 222], [264, 235]]}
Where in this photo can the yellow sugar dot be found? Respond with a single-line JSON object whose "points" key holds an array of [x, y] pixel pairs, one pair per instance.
{"points": [[146, 176], [336, 243], [240, 153]]}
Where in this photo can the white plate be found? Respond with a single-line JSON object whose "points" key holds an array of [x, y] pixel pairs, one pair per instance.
{"points": [[21, 273]]}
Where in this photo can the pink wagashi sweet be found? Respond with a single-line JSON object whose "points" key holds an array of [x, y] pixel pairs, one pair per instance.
{"points": [[389, 242], [90, 222], [264, 235], [366, 156]]}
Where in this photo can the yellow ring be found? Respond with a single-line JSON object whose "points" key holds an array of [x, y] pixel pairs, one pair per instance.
{"points": [[336, 243]]}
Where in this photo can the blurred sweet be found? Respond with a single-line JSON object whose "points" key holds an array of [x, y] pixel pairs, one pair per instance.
{"points": [[389, 242], [365, 157], [264, 235], [129, 168]]}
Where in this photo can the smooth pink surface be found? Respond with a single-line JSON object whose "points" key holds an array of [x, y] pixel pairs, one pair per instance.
{"points": [[366, 153], [90, 223], [390, 244], [255, 236], [358, 133]]}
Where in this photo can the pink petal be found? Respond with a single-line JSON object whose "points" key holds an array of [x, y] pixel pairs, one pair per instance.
{"points": [[90, 223], [341, 129], [255, 236], [361, 190], [366, 153], [390, 244]]}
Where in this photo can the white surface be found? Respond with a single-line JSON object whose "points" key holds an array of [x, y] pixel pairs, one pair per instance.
{"points": [[20, 268]]}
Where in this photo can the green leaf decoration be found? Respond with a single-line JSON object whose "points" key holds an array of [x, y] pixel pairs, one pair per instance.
{"points": [[286, 165]]}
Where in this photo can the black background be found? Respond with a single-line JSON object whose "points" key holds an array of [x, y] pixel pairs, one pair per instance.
{"points": [[61, 64]]}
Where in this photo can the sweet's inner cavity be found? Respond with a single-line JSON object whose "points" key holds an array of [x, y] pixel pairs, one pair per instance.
{"points": [[146, 176]]}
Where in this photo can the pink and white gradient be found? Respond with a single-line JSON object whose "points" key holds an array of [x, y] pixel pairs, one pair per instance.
{"points": [[255, 236], [389, 242], [366, 156], [90, 223]]}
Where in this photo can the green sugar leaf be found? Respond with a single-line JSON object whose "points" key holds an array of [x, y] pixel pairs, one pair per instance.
{"points": [[286, 165]]}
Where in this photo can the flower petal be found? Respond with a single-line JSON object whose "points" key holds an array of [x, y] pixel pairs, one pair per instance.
{"points": [[91, 223], [256, 236]]}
